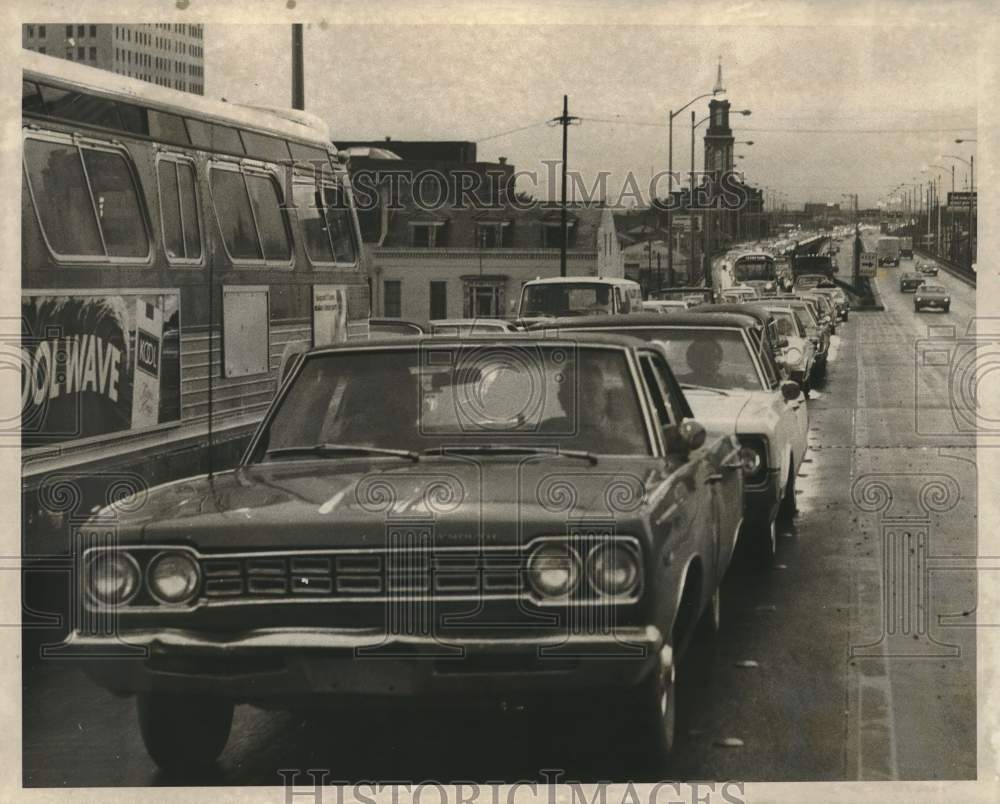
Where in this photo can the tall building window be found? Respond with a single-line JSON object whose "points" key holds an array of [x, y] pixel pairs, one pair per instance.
{"points": [[81, 53], [41, 32], [93, 30], [31, 31], [69, 31], [93, 54], [81, 31], [392, 298]]}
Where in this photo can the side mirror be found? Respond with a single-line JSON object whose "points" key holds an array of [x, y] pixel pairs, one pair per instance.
{"points": [[684, 437], [790, 390]]}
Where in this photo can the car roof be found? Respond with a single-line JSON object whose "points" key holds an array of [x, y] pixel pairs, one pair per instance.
{"points": [[447, 322], [512, 338], [559, 280], [698, 316], [750, 309]]}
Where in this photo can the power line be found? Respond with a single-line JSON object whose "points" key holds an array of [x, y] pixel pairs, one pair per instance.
{"points": [[511, 131], [630, 122]]}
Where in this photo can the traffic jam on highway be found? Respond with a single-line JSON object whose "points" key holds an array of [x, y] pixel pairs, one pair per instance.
{"points": [[570, 523], [530, 511]]}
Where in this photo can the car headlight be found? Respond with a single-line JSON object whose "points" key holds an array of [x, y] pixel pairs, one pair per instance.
{"points": [[753, 457], [112, 578], [613, 570], [554, 570], [173, 578]]}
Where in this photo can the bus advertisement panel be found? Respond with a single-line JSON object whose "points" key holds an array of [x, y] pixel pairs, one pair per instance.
{"points": [[96, 363]]}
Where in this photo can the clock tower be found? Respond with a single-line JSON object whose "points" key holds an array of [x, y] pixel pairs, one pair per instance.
{"points": [[719, 136]]}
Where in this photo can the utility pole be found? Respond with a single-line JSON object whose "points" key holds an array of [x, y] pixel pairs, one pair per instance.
{"points": [[565, 121], [691, 204], [298, 69], [972, 204]]}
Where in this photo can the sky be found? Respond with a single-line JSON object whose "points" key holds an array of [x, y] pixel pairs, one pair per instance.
{"points": [[834, 110]]}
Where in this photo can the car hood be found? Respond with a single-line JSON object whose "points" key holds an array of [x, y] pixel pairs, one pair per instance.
{"points": [[319, 504], [736, 412]]}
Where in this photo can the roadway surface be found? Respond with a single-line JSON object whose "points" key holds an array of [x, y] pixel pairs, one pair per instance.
{"points": [[835, 665]]}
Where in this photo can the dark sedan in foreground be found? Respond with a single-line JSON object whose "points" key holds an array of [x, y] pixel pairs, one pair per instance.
{"points": [[425, 522]]}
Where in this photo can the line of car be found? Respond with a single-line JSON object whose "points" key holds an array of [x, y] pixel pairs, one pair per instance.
{"points": [[482, 515], [925, 295]]}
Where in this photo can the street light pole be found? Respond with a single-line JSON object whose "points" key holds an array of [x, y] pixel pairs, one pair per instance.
{"points": [[670, 177], [565, 121]]}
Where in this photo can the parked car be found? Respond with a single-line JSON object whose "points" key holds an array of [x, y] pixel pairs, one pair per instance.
{"points": [[841, 304], [827, 308], [398, 501], [799, 353], [909, 282], [927, 268], [933, 297], [693, 294], [736, 295], [734, 388], [665, 305], [817, 331], [560, 296], [471, 326]]}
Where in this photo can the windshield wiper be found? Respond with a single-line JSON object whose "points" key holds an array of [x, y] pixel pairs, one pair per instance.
{"points": [[688, 387], [331, 450], [510, 449]]}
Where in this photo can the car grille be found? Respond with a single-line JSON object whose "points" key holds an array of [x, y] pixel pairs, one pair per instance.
{"points": [[364, 576]]}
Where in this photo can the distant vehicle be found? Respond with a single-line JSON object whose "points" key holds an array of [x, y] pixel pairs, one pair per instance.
{"points": [[887, 250], [757, 270], [560, 296], [841, 303], [737, 294], [695, 294], [927, 268], [807, 282], [666, 305], [799, 352], [471, 326], [934, 297], [813, 265], [827, 308], [906, 248], [910, 282]]}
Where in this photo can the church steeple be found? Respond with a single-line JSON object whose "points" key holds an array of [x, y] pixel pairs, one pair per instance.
{"points": [[719, 86]]}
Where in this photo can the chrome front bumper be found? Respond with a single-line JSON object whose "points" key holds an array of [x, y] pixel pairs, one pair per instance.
{"points": [[290, 663]]}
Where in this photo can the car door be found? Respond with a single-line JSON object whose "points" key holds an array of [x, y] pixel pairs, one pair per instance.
{"points": [[702, 474]]}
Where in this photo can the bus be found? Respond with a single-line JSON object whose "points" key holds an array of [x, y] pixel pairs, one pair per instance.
{"points": [[176, 250], [756, 269]]}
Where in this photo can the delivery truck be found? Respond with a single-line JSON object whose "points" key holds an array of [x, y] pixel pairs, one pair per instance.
{"points": [[906, 248], [888, 250]]}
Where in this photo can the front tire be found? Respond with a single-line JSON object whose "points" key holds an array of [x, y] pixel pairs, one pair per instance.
{"points": [[651, 712], [184, 732]]}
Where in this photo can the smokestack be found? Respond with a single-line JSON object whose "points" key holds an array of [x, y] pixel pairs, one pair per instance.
{"points": [[298, 69]]}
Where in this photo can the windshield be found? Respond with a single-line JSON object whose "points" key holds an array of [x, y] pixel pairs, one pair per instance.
{"points": [[757, 267], [805, 313], [716, 358], [786, 323], [452, 395], [566, 298]]}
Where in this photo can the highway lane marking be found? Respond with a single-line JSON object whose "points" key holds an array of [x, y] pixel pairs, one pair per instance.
{"points": [[875, 688]]}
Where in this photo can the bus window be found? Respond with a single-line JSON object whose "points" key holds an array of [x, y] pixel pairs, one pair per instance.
{"points": [[101, 217], [270, 218], [117, 204], [232, 208], [340, 224], [260, 146], [179, 210], [310, 213]]}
